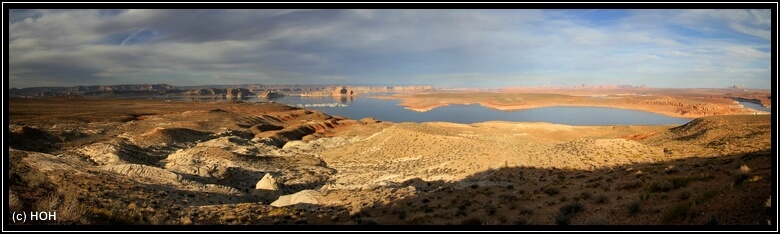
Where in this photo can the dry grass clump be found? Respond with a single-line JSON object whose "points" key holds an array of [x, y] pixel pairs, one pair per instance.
{"points": [[567, 211], [742, 175], [68, 208], [14, 202], [601, 199], [634, 207]]}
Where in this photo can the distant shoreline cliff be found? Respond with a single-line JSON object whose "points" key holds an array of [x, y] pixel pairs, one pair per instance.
{"points": [[245, 90]]}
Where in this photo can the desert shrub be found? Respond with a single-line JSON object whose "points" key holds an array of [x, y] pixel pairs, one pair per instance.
{"points": [[550, 191], [706, 195], [645, 196], [464, 206], [73, 211], [601, 199], [712, 221], [684, 195], [571, 208], [563, 219], [632, 185], [677, 213], [366, 221], [596, 221], [37, 180], [502, 219], [471, 221], [671, 169], [280, 211], [457, 213], [48, 203], [488, 192], [742, 175], [567, 211], [23, 174], [680, 182], [634, 207], [677, 182], [115, 212], [525, 211], [14, 202], [402, 215], [69, 209], [663, 186], [507, 198], [585, 195], [490, 209]]}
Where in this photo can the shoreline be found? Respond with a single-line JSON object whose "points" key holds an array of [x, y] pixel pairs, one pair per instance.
{"points": [[519, 108], [414, 102]]}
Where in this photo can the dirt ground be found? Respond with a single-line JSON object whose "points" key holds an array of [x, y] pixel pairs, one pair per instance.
{"points": [[128, 161]]}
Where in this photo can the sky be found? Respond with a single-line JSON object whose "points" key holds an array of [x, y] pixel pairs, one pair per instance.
{"points": [[696, 48]]}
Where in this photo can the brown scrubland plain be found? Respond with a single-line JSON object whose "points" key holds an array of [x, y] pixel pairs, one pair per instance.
{"points": [[126, 161]]}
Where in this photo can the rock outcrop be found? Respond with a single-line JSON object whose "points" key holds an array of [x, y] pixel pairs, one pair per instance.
{"points": [[369, 120], [227, 92], [268, 182], [270, 94], [237, 93], [158, 175], [311, 197], [264, 127], [30, 138], [344, 91], [687, 108]]}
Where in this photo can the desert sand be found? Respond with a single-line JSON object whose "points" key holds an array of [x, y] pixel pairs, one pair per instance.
{"points": [[114, 161]]}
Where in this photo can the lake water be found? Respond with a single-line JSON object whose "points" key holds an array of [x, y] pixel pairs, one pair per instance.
{"points": [[389, 110], [754, 106]]}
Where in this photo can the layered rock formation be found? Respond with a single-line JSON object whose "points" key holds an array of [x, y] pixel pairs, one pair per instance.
{"points": [[270, 94], [228, 92], [687, 108], [344, 91], [95, 90]]}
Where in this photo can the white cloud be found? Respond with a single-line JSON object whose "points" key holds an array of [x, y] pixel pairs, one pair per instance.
{"points": [[745, 52], [370, 46], [765, 34]]}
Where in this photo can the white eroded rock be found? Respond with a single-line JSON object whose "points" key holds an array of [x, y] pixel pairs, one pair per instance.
{"points": [[144, 171], [302, 197], [268, 182]]}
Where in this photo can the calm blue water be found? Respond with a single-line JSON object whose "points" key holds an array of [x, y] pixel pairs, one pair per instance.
{"points": [[755, 106], [389, 110]]}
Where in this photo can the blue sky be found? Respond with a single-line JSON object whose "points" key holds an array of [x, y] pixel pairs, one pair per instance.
{"points": [[444, 48]]}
